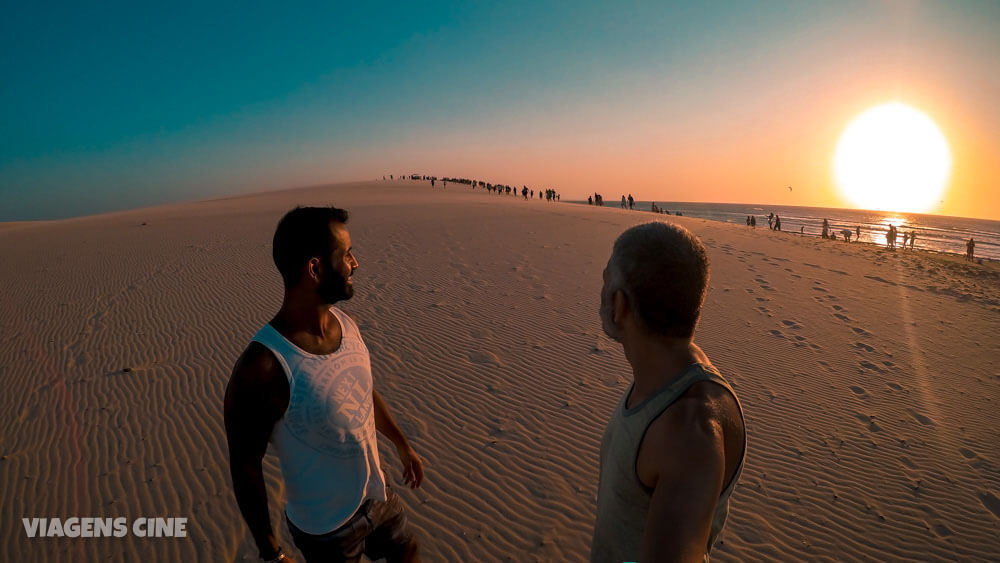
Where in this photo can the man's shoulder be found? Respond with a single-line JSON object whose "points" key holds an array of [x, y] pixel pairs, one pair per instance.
{"points": [[704, 406], [257, 365]]}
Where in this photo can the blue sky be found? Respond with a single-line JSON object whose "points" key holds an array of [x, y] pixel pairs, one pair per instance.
{"points": [[121, 105]]}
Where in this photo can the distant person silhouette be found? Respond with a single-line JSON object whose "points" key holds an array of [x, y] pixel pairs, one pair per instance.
{"points": [[432, 182], [906, 237], [913, 237], [590, 200], [857, 233], [753, 221], [970, 250], [826, 229], [631, 202], [777, 223], [748, 220], [624, 201]]}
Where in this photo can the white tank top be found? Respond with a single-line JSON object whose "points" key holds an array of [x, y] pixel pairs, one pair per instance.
{"points": [[325, 442]]}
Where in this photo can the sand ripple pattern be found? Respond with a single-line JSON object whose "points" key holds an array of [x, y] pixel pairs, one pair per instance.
{"points": [[870, 399]]}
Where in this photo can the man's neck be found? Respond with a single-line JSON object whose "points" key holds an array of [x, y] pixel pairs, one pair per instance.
{"points": [[657, 361], [303, 315]]}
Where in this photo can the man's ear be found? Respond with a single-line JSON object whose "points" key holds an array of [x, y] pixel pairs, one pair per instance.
{"points": [[312, 268], [621, 308]]}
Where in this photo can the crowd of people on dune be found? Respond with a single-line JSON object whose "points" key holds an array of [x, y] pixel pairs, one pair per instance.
{"points": [[892, 234], [548, 194]]}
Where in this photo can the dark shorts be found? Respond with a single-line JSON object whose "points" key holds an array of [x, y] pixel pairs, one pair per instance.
{"points": [[378, 529]]}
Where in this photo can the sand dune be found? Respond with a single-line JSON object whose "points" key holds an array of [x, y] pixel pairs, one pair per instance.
{"points": [[869, 378]]}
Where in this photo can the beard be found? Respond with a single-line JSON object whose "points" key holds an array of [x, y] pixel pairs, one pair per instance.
{"points": [[607, 312], [334, 287]]}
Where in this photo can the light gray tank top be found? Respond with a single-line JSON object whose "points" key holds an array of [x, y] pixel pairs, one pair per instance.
{"points": [[622, 500], [325, 442]]}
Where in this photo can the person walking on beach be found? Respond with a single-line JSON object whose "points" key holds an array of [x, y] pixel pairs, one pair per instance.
{"points": [[631, 202], [913, 237], [970, 250], [857, 233], [753, 221], [673, 449], [624, 201], [777, 223], [339, 504], [826, 229]]}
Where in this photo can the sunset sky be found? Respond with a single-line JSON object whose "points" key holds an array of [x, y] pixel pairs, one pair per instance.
{"points": [[114, 107]]}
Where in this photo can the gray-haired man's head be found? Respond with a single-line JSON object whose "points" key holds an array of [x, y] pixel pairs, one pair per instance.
{"points": [[662, 270]]}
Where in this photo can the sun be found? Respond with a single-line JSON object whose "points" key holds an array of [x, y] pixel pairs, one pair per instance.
{"points": [[892, 157]]}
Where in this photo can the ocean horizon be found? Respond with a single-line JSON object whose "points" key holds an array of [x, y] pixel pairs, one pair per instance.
{"points": [[938, 233]]}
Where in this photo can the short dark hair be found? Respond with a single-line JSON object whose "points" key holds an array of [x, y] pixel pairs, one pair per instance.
{"points": [[303, 234], [663, 269]]}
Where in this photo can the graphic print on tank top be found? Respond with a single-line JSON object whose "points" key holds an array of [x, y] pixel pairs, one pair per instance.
{"points": [[331, 411]]}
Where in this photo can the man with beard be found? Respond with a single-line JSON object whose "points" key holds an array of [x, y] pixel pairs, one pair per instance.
{"points": [[304, 385], [674, 447]]}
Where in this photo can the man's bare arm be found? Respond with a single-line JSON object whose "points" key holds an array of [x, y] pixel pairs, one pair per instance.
{"points": [[690, 467], [413, 470], [256, 398]]}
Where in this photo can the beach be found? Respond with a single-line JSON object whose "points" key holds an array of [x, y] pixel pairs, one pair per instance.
{"points": [[869, 378]]}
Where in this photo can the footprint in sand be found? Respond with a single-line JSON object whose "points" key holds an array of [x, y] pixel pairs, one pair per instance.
{"points": [[791, 324], [883, 280], [778, 333], [871, 366], [844, 318], [484, 357], [817, 288], [926, 421], [838, 308], [895, 386], [480, 334], [859, 391], [991, 502], [861, 331], [762, 299], [967, 453], [864, 346]]}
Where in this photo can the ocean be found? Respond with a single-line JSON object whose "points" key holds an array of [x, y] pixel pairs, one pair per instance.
{"points": [[934, 232]]}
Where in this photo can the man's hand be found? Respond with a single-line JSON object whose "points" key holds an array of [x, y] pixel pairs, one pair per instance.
{"points": [[413, 467]]}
